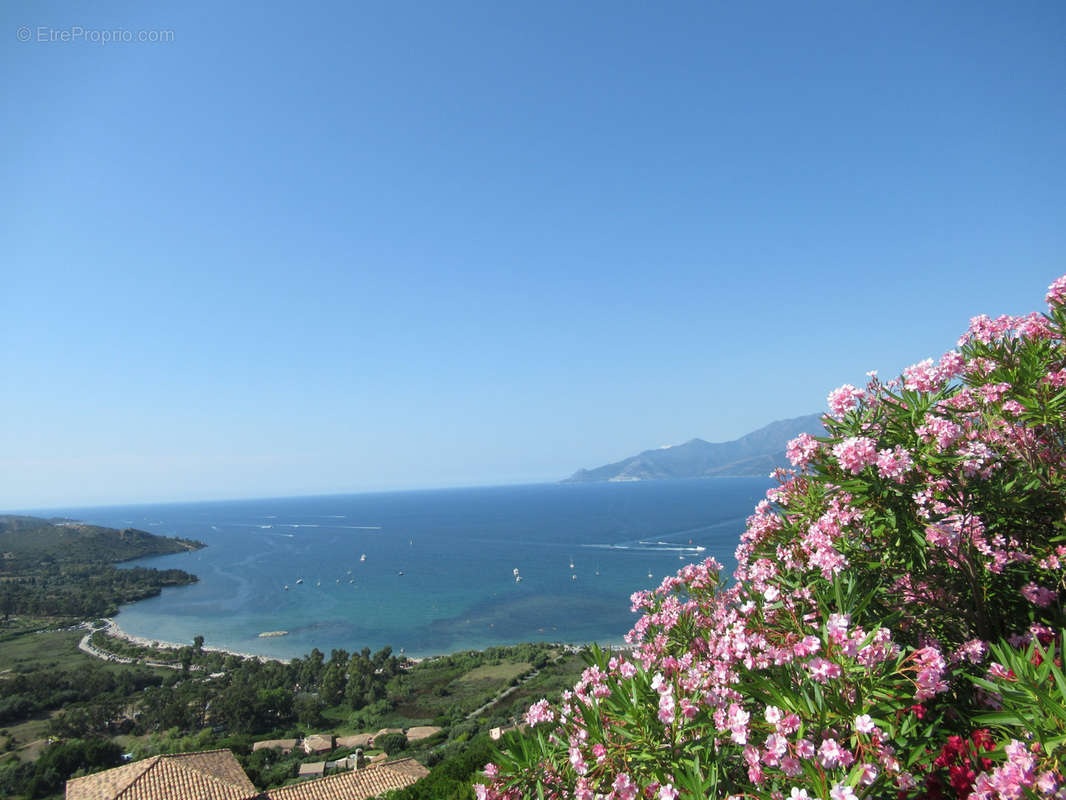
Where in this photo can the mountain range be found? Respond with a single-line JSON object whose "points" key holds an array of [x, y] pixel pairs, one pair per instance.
{"points": [[753, 454]]}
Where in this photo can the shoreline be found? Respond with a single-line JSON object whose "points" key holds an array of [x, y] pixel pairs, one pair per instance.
{"points": [[112, 628]]}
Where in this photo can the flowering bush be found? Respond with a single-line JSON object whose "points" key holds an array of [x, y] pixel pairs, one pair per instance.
{"points": [[894, 622]]}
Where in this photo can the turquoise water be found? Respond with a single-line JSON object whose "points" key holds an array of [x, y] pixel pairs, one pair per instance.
{"points": [[457, 550]]}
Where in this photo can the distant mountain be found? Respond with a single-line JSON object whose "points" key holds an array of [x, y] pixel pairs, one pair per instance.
{"points": [[755, 454]]}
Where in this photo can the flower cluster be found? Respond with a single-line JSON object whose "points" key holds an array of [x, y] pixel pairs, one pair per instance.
{"points": [[849, 656]]}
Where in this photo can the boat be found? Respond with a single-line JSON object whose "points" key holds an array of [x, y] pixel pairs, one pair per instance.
{"points": [[299, 581], [362, 557], [286, 587], [517, 578], [400, 572], [571, 563], [573, 577], [515, 571]]}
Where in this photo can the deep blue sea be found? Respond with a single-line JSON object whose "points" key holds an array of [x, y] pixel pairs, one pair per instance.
{"points": [[439, 569]]}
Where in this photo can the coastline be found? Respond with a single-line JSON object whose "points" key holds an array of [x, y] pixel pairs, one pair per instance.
{"points": [[114, 629]]}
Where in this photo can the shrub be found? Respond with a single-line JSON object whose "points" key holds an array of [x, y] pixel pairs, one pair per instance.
{"points": [[894, 624], [391, 742]]}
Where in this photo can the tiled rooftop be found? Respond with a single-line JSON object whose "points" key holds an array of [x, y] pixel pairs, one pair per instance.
{"points": [[216, 775], [356, 785], [209, 775]]}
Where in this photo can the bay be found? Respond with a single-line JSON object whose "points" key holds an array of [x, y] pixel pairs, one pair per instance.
{"points": [[439, 569]]}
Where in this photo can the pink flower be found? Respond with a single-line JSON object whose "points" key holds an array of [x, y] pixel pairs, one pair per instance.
{"points": [[667, 792], [801, 450], [922, 377], [738, 724], [894, 464], [830, 754], [855, 453], [823, 670], [790, 765], [666, 708], [624, 788], [1039, 595], [843, 399], [539, 712], [491, 771], [864, 724], [837, 628], [1055, 378], [842, 791], [1056, 292]]}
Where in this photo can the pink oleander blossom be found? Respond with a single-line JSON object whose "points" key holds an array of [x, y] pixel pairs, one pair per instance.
{"points": [[1056, 292], [540, 712], [894, 464], [801, 450], [624, 788], [844, 399], [1039, 595], [855, 453]]}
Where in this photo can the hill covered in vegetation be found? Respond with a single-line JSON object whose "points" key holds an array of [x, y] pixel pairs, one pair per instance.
{"points": [[59, 567]]}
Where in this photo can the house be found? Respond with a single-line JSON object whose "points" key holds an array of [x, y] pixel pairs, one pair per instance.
{"points": [[315, 769], [359, 784], [421, 732], [318, 743], [359, 740], [208, 775], [216, 775], [286, 746]]}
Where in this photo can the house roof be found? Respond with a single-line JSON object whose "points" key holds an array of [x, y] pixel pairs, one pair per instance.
{"points": [[319, 741], [358, 740], [208, 775], [421, 732], [282, 744], [356, 785]]}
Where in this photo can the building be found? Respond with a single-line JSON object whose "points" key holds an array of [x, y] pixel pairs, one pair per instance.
{"points": [[421, 732], [315, 769], [286, 746], [359, 784], [216, 775], [318, 743], [209, 775]]}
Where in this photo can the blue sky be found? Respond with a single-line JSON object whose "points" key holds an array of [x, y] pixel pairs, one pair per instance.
{"points": [[342, 247]]}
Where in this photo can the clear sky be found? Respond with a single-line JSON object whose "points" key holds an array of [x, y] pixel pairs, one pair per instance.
{"points": [[293, 248]]}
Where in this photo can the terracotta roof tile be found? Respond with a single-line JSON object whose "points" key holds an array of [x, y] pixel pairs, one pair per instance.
{"points": [[356, 785], [209, 775]]}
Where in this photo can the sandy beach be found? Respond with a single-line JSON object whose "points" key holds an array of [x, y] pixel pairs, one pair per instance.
{"points": [[114, 629]]}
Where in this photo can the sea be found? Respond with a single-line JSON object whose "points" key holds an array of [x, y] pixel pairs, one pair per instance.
{"points": [[428, 572]]}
